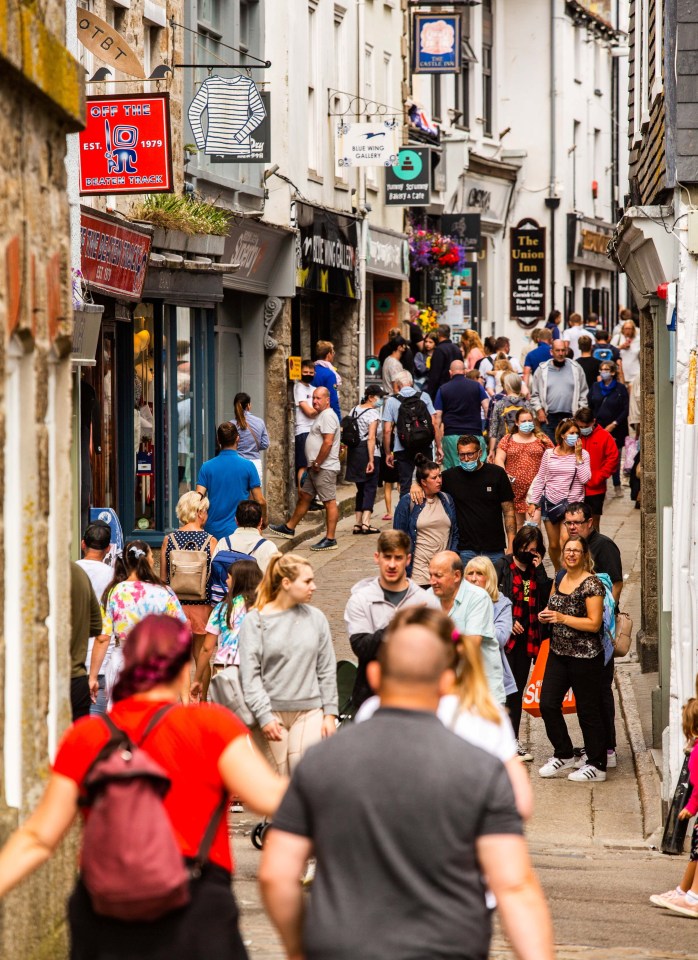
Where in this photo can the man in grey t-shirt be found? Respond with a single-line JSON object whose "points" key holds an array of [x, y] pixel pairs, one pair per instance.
{"points": [[404, 818], [320, 478], [558, 388]]}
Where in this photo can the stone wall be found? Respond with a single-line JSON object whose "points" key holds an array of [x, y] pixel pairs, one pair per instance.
{"points": [[41, 99]]}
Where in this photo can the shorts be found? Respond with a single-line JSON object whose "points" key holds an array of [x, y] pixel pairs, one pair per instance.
{"points": [[197, 615], [595, 501], [301, 459], [321, 484]]}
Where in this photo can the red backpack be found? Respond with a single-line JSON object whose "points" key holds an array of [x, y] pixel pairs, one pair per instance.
{"points": [[132, 865]]}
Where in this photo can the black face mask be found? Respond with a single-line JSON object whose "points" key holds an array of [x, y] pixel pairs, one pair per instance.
{"points": [[559, 363], [523, 556], [308, 377]]}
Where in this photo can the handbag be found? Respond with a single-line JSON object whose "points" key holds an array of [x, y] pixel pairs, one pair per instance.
{"points": [[189, 570], [531, 697], [555, 512], [624, 635], [226, 689]]}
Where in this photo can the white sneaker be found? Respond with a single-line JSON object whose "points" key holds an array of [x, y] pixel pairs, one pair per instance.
{"points": [[587, 774], [554, 765], [525, 755], [611, 758]]}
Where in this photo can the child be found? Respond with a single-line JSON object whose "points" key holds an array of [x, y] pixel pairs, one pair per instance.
{"points": [[223, 627], [684, 899]]}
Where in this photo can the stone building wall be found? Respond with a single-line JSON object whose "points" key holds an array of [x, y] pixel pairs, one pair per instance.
{"points": [[41, 100]]}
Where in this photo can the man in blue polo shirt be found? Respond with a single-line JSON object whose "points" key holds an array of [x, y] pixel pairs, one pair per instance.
{"points": [[458, 408], [543, 352], [226, 480]]}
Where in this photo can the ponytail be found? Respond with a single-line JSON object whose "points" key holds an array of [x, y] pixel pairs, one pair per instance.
{"points": [[240, 403], [280, 566], [471, 685]]}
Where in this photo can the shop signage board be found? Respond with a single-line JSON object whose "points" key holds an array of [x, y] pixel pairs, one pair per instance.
{"points": [[388, 254], [126, 145], [328, 252], [436, 43], [237, 120], [408, 183], [587, 242], [366, 144], [100, 38], [527, 253], [294, 368], [113, 258], [465, 228]]}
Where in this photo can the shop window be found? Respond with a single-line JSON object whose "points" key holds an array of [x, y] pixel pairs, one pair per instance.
{"points": [[144, 417]]}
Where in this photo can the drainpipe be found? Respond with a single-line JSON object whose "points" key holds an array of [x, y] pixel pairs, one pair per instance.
{"points": [[552, 201], [361, 197]]}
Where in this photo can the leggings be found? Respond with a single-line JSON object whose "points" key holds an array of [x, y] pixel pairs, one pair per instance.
{"points": [[300, 729]]}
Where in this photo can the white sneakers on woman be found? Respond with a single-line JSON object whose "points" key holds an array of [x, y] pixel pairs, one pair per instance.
{"points": [[588, 774], [554, 765]]}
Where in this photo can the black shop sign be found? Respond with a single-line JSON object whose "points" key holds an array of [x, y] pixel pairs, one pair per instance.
{"points": [[527, 272], [327, 255]]}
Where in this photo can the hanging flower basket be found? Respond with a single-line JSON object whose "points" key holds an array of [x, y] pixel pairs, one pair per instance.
{"points": [[433, 251]]}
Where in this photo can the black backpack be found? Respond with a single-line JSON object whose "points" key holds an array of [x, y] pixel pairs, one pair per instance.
{"points": [[414, 427], [350, 433]]}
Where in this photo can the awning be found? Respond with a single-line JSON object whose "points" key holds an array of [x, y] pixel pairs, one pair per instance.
{"points": [[265, 256], [644, 250]]}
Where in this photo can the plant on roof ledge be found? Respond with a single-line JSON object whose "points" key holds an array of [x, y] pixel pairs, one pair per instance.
{"points": [[174, 212]]}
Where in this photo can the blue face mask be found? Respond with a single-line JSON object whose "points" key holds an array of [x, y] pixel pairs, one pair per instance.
{"points": [[528, 426], [586, 431], [571, 439], [605, 374], [470, 465]]}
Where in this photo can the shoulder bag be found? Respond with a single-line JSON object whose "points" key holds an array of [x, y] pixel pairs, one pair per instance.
{"points": [[189, 569], [226, 690], [555, 512]]}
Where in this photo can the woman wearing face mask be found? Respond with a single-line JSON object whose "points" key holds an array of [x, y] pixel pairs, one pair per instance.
{"points": [[522, 578], [610, 403], [561, 477], [520, 453], [603, 459], [362, 468], [628, 342]]}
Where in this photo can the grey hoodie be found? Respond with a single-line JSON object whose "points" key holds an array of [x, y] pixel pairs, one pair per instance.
{"points": [[287, 662], [367, 609]]}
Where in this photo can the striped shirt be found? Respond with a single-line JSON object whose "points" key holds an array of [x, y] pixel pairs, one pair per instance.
{"points": [[234, 108], [560, 478]]}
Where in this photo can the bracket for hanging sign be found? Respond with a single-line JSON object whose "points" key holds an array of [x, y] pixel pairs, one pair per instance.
{"points": [[340, 103], [258, 65]]}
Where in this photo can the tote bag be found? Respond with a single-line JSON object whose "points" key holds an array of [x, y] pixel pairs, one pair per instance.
{"points": [[531, 698]]}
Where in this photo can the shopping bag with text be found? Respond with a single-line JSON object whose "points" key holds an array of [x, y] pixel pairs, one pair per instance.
{"points": [[531, 698]]}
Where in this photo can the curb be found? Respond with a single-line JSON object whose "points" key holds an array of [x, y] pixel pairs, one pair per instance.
{"points": [[317, 528], [645, 769]]}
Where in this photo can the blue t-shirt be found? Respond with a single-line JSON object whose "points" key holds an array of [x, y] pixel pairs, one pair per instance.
{"points": [[324, 377], [534, 358], [460, 401], [391, 409], [228, 479]]}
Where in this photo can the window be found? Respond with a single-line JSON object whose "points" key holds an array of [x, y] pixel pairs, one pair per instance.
{"points": [[369, 73], [575, 149], [597, 169], [461, 97], [487, 43], [313, 144], [388, 78], [436, 97], [578, 53]]}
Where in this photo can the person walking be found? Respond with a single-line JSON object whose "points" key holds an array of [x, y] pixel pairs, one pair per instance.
{"points": [[252, 432], [95, 545], [628, 343], [539, 354], [356, 803], [248, 538], [192, 513], [326, 374], [363, 460], [558, 388], [519, 453], [472, 349], [445, 352], [430, 525], [392, 364], [459, 406], [480, 572], [564, 470], [604, 350], [287, 664], [522, 578], [603, 460], [554, 323], [501, 345], [85, 623], [589, 364], [422, 359], [504, 412], [407, 355], [225, 481], [411, 413], [205, 753], [610, 403], [322, 453], [305, 414], [573, 332]]}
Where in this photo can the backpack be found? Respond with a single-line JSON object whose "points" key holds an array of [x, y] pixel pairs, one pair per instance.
{"points": [[414, 427], [189, 570], [609, 613], [132, 866], [220, 566], [350, 432], [508, 414]]}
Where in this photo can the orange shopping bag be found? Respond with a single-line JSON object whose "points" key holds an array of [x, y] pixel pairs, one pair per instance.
{"points": [[531, 698]]}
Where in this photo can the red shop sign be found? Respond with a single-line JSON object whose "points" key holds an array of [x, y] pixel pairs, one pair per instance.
{"points": [[126, 145], [113, 258]]}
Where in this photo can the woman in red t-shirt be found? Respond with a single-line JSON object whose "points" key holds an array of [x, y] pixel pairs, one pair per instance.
{"points": [[205, 750]]}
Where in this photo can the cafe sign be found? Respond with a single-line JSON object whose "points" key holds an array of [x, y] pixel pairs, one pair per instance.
{"points": [[527, 271]]}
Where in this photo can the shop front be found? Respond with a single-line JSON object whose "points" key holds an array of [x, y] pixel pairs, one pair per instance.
{"points": [[387, 284], [593, 277]]}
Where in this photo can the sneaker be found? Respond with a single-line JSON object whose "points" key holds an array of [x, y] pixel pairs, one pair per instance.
{"points": [[281, 530], [554, 765], [618, 491], [235, 806], [683, 906], [309, 875], [325, 544], [611, 758], [664, 899], [581, 761], [587, 774], [523, 753], [316, 505]]}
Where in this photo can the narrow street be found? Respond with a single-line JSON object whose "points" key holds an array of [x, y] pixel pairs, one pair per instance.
{"points": [[587, 842]]}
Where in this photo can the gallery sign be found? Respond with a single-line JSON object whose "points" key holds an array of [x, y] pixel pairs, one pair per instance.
{"points": [[113, 257], [366, 144], [100, 38], [408, 183], [436, 43], [527, 254], [126, 145], [237, 120], [328, 251]]}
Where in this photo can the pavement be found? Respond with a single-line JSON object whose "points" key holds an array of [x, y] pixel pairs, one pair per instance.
{"points": [[593, 846]]}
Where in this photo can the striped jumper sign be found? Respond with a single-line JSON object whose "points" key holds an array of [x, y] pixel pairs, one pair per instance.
{"points": [[234, 109]]}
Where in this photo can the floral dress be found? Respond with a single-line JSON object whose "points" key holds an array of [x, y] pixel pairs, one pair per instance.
{"points": [[522, 463], [227, 630], [130, 602]]}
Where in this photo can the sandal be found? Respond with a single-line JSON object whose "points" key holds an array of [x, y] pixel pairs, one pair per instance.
{"points": [[367, 528], [357, 529], [387, 516]]}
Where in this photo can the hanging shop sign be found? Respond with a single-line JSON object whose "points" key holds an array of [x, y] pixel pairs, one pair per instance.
{"points": [[366, 144], [527, 271], [237, 120], [100, 38], [587, 242], [436, 43], [465, 228], [388, 254], [113, 257], [328, 252], [126, 145], [408, 183]]}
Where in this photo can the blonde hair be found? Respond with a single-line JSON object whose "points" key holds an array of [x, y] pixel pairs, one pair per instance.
{"points": [[281, 566], [190, 505], [471, 341], [471, 686], [485, 566]]}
